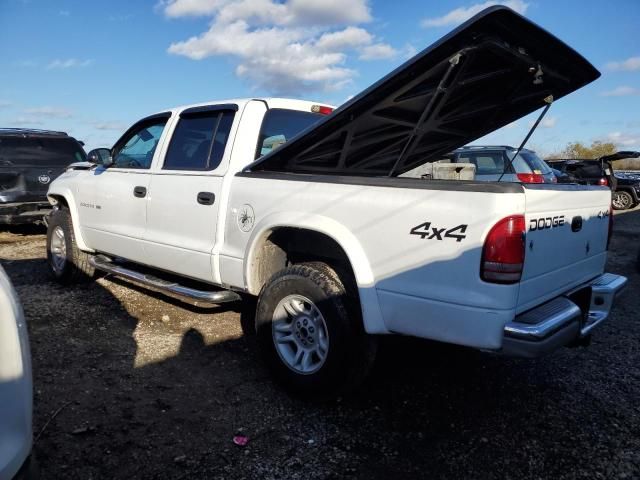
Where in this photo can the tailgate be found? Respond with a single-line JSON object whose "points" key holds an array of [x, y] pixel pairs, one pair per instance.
{"points": [[566, 240]]}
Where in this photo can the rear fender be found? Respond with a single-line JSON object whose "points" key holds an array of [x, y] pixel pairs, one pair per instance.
{"points": [[371, 314]]}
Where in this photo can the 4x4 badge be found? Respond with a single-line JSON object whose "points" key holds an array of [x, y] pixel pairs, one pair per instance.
{"points": [[44, 179]]}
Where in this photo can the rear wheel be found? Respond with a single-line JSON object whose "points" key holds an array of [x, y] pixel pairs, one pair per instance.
{"points": [[622, 200], [67, 263], [310, 332]]}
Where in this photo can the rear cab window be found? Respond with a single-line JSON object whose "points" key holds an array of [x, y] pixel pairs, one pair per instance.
{"points": [[281, 125], [199, 140], [40, 151]]}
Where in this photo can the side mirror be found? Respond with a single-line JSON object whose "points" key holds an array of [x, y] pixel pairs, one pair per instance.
{"points": [[100, 156]]}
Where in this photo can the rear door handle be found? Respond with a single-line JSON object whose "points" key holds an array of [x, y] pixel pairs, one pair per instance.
{"points": [[206, 198], [140, 192]]}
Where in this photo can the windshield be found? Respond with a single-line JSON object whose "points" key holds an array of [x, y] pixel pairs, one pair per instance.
{"points": [[40, 151]]}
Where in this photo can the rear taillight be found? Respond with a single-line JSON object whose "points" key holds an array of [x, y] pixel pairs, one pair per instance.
{"points": [[321, 109], [604, 182], [610, 226], [530, 177], [503, 251]]}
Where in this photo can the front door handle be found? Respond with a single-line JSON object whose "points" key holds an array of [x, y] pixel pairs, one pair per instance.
{"points": [[206, 198], [140, 192]]}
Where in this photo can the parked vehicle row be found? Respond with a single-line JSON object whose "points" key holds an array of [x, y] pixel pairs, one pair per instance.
{"points": [[625, 187]]}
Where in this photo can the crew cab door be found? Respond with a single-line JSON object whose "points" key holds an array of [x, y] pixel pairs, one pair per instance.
{"points": [[185, 192], [112, 200]]}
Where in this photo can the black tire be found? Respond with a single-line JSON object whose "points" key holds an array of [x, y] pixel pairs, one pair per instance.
{"points": [[76, 267], [622, 200], [350, 351]]}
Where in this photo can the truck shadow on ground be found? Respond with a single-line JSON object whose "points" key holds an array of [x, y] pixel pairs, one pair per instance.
{"points": [[135, 396]]}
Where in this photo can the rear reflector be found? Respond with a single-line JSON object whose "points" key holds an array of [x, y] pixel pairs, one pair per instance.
{"points": [[530, 177], [321, 109], [503, 251]]}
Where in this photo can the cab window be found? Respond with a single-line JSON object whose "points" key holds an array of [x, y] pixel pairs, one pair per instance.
{"points": [[199, 141], [137, 147], [280, 125]]}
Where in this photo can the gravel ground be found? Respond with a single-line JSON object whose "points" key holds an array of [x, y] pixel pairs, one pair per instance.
{"points": [[131, 385]]}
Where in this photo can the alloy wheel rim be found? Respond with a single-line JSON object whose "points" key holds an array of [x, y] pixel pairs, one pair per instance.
{"points": [[620, 201], [58, 249], [300, 334]]}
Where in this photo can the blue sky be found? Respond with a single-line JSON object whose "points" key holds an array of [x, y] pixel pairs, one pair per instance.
{"points": [[94, 67]]}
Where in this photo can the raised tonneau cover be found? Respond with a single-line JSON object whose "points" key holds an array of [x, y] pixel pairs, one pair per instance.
{"points": [[491, 70]]}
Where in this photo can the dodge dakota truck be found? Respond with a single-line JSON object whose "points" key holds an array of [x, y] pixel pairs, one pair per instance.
{"points": [[314, 212]]}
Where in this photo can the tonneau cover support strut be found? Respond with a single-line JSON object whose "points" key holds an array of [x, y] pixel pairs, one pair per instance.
{"points": [[439, 97]]}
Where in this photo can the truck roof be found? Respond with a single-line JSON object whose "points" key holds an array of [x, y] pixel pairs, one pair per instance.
{"points": [[272, 102]]}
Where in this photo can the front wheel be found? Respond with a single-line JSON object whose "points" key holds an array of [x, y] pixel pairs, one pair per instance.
{"points": [[622, 200], [310, 332], [67, 263]]}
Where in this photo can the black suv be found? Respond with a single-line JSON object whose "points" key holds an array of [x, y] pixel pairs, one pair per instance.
{"points": [[624, 186], [29, 161]]}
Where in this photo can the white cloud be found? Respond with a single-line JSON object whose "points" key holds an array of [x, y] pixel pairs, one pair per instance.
{"points": [[378, 51], [623, 139], [293, 12], [24, 121], [182, 8], [26, 63], [284, 47], [5, 104], [547, 122], [459, 15], [629, 65], [350, 37], [621, 91], [117, 126], [68, 63], [49, 112]]}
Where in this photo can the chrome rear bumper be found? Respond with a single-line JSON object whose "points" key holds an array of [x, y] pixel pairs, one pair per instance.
{"points": [[561, 321]]}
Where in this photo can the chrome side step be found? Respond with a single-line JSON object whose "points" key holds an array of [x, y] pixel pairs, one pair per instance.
{"points": [[172, 289]]}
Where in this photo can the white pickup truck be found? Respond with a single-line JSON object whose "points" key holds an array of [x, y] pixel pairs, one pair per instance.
{"points": [[315, 212]]}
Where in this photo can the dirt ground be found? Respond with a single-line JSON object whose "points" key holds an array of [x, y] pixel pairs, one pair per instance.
{"points": [[131, 385]]}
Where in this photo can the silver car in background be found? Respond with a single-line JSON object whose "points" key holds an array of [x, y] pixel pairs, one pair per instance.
{"points": [[497, 163], [16, 391]]}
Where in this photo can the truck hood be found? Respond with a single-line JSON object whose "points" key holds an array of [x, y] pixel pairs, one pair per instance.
{"points": [[493, 69]]}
